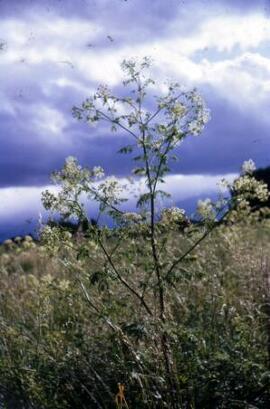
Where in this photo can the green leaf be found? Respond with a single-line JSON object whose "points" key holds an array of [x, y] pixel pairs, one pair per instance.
{"points": [[139, 158], [139, 171], [162, 193], [144, 198], [126, 149], [135, 329]]}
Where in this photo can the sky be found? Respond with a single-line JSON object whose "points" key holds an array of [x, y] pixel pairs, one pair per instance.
{"points": [[54, 54]]}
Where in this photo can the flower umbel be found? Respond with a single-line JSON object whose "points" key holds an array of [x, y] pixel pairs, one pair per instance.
{"points": [[248, 167]]}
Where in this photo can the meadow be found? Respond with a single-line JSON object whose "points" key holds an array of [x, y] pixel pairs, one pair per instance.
{"points": [[71, 333]]}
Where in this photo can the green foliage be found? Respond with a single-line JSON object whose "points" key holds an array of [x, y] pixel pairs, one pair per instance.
{"points": [[262, 175], [61, 350]]}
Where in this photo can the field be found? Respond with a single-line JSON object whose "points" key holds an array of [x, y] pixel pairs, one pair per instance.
{"points": [[71, 335]]}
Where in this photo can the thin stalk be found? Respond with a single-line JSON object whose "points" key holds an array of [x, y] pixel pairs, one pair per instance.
{"points": [[166, 351], [183, 256], [123, 281]]}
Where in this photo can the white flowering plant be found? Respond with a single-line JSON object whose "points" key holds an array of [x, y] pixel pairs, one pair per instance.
{"points": [[142, 243]]}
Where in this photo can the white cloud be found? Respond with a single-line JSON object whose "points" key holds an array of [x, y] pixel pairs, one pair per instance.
{"points": [[224, 32], [6, 106], [64, 82], [57, 40], [48, 121], [59, 46], [243, 81], [183, 187], [41, 40], [27, 200], [20, 200]]}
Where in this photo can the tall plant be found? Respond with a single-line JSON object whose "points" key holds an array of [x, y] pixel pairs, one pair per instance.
{"points": [[140, 254]]}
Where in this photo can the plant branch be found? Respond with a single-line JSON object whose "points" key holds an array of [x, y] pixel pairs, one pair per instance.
{"points": [[122, 280], [112, 120], [183, 256]]}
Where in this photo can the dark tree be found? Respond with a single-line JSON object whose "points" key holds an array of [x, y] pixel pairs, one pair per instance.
{"points": [[262, 175]]}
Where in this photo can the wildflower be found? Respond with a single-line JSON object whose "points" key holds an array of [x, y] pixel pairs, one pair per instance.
{"points": [[28, 244], [28, 238], [205, 209], [8, 243], [194, 128], [248, 167], [202, 116], [54, 238], [98, 172], [111, 191], [49, 200], [5, 258], [47, 279], [247, 187], [132, 217], [64, 285], [179, 110], [173, 215]]}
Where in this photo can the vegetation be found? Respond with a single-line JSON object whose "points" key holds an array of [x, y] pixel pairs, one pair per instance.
{"points": [[264, 176], [157, 312]]}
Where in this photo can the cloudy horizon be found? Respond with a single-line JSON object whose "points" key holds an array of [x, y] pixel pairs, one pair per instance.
{"points": [[54, 54]]}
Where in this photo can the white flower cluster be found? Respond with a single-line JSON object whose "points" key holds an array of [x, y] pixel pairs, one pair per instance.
{"points": [[73, 174], [64, 285], [132, 217], [8, 243], [205, 209], [54, 237], [179, 110], [25, 242], [98, 172], [74, 181], [248, 167], [247, 187], [196, 126], [111, 191], [49, 200], [173, 215]]}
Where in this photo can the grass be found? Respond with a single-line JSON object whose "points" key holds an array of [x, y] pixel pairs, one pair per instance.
{"points": [[58, 351]]}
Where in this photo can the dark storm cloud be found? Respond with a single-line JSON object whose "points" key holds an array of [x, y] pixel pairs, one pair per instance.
{"points": [[230, 138], [28, 155], [23, 159]]}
